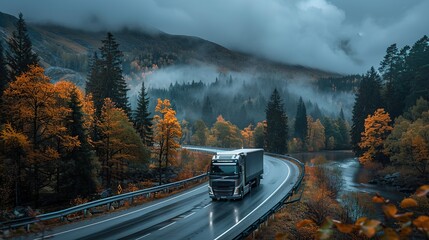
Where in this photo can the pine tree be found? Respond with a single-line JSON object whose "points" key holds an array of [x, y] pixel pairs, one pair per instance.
{"points": [[368, 99], [207, 112], [94, 83], [418, 64], [82, 179], [277, 128], [105, 79], [142, 121], [343, 131], [21, 56], [389, 71], [3, 72], [301, 124], [3, 80]]}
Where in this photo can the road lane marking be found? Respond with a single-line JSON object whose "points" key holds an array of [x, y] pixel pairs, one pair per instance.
{"points": [[166, 226], [278, 188], [208, 205], [189, 215], [123, 215], [143, 236]]}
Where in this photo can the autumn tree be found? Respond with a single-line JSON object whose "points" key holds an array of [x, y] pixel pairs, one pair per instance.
{"points": [[201, 133], [167, 133], [20, 55], [408, 144], [259, 134], [227, 135], [377, 129], [316, 135], [247, 134], [277, 128], [31, 103], [119, 144], [142, 119]]}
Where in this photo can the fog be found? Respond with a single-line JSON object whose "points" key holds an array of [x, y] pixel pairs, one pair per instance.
{"points": [[334, 35], [235, 90]]}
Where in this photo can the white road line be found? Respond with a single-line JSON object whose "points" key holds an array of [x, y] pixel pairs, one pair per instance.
{"points": [[143, 236], [278, 188], [208, 205], [189, 215], [166, 226], [123, 215]]}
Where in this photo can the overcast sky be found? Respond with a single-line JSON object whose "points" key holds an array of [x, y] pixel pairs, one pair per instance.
{"points": [[345, 36]]}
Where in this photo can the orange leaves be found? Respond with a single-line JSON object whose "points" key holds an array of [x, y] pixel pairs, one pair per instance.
{"points": [[305, 223], [378, 199], [377, 128], [422, 223], [344, 228], [422, 191], [13, 139], [390, 210], [408, 202], [167, 132]]}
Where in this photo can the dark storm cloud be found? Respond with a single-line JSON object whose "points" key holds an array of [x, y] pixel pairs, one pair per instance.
{"points": [[336, 35]]}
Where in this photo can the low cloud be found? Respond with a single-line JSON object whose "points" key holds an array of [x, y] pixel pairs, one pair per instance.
{"points": [[334, 35]]}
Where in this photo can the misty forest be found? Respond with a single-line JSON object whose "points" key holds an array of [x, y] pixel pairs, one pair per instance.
{"points": [[88, 115]]}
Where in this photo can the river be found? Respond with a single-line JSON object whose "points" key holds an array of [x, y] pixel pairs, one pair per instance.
{"points": [[355, 177]]}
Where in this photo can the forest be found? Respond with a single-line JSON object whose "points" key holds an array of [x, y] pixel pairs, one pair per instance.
{"points": [[59, 142]]}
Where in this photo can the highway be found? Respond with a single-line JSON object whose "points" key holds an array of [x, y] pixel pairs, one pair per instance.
{"points": [[190, 214]]}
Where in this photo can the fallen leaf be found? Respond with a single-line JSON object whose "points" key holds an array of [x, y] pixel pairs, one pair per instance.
{"points": [[390, 234], [422, 191], [390, 210], [422, 223], [408, 202], [304, 223]]}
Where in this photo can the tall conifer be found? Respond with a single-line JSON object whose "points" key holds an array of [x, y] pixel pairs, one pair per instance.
{"points": [[20, 56], [142, 119], [277, 128]]}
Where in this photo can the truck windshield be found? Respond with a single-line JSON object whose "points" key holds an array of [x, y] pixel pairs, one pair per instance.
{"points": [[224, 169]]}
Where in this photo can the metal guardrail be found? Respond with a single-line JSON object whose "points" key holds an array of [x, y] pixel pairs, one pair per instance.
{"points": [[280, 204], [26, 222]]}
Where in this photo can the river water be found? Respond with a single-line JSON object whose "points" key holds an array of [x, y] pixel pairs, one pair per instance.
{"points": [[355, 177]]}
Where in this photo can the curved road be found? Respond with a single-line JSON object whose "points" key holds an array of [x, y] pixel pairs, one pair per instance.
{"points": [[191, 214]]}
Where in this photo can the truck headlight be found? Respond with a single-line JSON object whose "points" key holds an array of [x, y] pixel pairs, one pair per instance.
{"points": [[210, 191], [237, 191]]}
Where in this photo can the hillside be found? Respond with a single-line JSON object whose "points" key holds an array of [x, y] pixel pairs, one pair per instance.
{"points": [[69, 48]]}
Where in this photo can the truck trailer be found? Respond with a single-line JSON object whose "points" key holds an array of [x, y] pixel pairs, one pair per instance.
{"points": [[234, 173]]}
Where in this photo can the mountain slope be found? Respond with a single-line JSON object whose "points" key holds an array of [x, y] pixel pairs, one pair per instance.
{"points": [[70, 48]]}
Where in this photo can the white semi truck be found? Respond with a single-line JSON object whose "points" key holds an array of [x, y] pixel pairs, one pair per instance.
{"points": [[233, 173]]}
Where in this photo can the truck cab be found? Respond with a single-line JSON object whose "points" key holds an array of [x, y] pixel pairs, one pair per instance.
{"points": [[233, 173]]}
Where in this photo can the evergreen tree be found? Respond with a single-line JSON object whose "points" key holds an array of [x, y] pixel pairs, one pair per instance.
{"points": [[368, 99], [82, 180], [301, 124], [389, 71], [277, 128], [3, 72], [343, 131], [418, 67], [142, 120], [94, 83], [207, 112], [20, 57], [3, 79], [105, 79]]}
